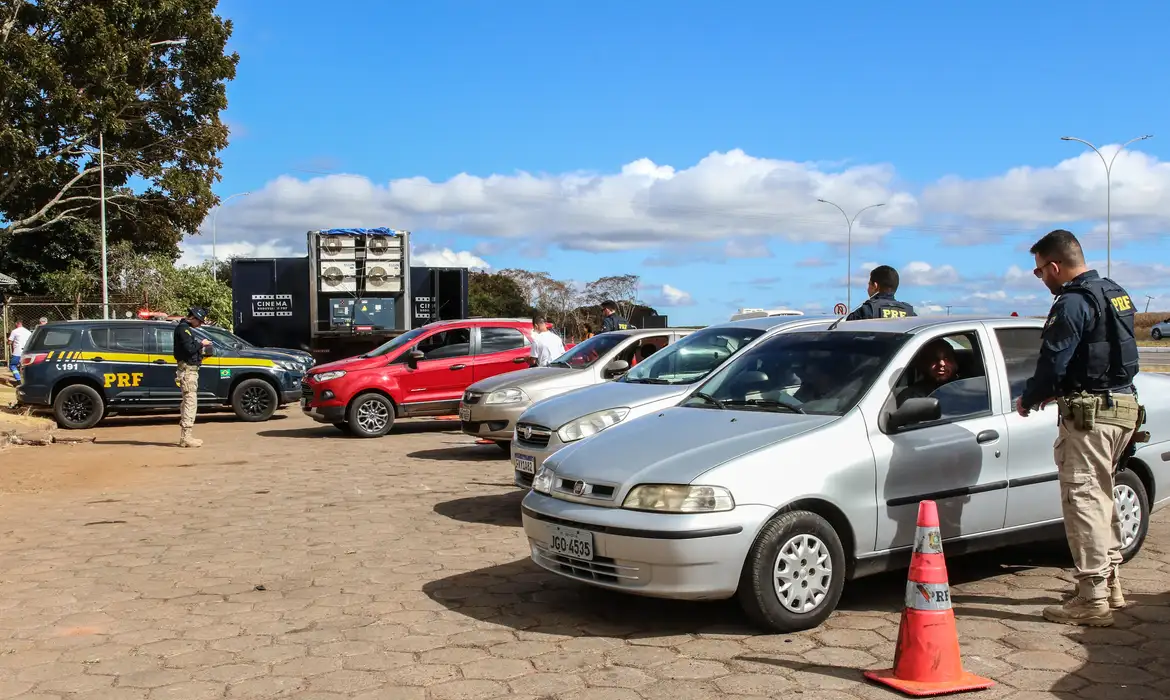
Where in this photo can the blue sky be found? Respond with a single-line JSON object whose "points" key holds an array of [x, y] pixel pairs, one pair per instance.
{"points": [[504, 133]]}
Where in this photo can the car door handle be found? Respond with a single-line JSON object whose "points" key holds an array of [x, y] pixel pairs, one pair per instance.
{"points": [[98, 359], [520, 361], [160, 362], [455, 367], [986, 436]]}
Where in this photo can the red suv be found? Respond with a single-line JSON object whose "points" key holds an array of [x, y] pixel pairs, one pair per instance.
{"points": [[422, 372]]}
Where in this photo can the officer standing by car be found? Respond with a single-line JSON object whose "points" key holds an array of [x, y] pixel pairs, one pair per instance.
{"points": [[883, 284], [189, 351], [611, 320], [1088, 359]]}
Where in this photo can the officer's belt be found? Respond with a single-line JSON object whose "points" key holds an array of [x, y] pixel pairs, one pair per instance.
{"points": [[1085, 409]]}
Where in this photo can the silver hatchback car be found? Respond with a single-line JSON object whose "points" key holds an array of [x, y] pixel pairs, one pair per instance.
{"points": [[661, 381], [800, 464]]}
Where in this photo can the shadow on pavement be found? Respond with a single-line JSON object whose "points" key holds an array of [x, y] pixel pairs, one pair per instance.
{"points": [[497, 509], [464, 452], [204, 415], [322, 431], [522, 596]]}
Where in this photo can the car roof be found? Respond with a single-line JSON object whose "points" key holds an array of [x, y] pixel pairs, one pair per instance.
{"points": [[918, 324], [106, 322], [769, 322]]}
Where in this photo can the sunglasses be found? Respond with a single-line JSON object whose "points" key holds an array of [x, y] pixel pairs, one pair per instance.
{"points": [[1039, 272]]}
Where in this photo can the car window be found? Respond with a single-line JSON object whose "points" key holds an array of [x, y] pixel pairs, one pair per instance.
{"points": [[950, 359], [43, 340], [162, 340], [453, 342], [120, 339], [823, 372], [1021, 351], [643, 349], [500, 339], [692, 357], [585, 354]]}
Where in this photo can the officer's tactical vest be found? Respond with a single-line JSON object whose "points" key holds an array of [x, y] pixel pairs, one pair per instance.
{"points": [[1108, 355], [885, 306]]}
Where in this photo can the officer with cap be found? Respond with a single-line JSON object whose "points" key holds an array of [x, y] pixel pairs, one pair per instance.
{"points": [[1088, 359], [883, 284], [611, 320], [189, 350]]}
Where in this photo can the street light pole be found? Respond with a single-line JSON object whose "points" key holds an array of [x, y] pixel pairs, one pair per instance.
{"points": [[849, 247], [214, 216], [102, 206], [1108, 193]]}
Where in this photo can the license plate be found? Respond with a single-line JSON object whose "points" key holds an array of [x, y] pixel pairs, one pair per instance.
{"points": [[464, 413], [525, 464], [571, 542]]}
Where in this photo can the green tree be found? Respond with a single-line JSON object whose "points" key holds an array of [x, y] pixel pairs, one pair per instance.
{"points": [[146, 78], [496, 295]]}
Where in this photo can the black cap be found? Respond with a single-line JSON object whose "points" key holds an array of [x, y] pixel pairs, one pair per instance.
{"points": [[198, 312]]}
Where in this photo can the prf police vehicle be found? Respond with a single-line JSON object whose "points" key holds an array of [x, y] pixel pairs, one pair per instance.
{"points": [[87, 370]]}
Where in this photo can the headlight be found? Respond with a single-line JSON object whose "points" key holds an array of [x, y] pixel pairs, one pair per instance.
{"points": [[679, 498], [542, 482], [511, 395], [591, 424], [290, 365], [327, 376]]}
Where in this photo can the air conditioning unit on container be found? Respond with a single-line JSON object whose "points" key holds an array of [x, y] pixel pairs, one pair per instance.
{"points": [[336, 248], [338, 276], [380, 247], [383, 276]]}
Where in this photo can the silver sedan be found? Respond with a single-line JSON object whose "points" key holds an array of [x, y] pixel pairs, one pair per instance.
{"points": [[800, 464]]}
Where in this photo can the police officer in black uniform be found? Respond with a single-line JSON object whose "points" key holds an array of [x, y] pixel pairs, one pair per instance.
{"points": [[611, 320], [189, 351], [883, 284], [1088, 359]]}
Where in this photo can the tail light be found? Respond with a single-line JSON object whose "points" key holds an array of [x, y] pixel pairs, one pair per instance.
{"points": [[26, 360]]}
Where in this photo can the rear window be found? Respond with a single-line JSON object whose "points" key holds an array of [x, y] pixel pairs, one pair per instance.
{"points": [[46, 339], [124, 338]]}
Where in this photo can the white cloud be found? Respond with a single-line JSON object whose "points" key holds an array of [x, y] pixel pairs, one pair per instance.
{"points": [[923, 274], [1072, 190], [445, 257], [668, 296], [194, 251], [724, 195]]}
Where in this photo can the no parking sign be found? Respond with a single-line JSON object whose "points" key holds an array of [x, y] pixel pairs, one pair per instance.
{"points": [[840, 309]]}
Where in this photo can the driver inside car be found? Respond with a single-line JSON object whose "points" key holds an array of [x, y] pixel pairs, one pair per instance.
{"points": [[936, 365]]}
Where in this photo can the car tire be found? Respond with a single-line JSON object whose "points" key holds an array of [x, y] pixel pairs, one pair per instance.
{"points": [[1156, 334], [505, 445], [78, 407], [254, 400], [758, 591], [1133, 507], [370, 415]]}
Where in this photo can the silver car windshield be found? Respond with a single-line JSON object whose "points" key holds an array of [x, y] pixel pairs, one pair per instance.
{"points": [[823, 373], [693, 357], [589, 352]]}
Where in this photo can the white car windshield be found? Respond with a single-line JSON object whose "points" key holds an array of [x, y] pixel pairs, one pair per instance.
{"points": [[590, 351], [693, 357], [823, 372]]}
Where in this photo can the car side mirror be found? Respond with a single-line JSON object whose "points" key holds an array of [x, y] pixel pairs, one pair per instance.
{"points": [[413, 357], [914, 411], [615, 368]]}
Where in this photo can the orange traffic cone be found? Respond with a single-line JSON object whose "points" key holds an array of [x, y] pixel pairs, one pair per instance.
{"points": [[485, 441], [926, 660]]}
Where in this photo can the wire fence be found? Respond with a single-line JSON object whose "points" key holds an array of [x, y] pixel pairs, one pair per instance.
{"points": [[29, 311]]}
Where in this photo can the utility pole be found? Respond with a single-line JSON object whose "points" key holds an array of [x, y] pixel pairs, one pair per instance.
{"points": [[1108, 194], [105, 261], [1148, 299], [849, 246], [948, 309], [214, 217]]}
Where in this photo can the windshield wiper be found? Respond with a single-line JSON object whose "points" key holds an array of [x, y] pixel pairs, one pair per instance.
{"points": [[646, 380], [766, 403], [709, 399], [559, 363]]}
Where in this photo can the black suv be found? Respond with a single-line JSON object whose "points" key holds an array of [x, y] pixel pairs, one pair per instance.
{"points": [[86, 370]]}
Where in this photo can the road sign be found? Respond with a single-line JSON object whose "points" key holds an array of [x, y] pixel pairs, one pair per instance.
{"points": [[840, 309]]}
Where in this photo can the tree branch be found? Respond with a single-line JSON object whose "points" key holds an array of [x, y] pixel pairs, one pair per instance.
{"points": [[10, 23], [67, 215]]}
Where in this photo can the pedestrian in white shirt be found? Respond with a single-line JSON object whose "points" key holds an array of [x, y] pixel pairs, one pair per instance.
{"points": [[17, 339], [546, 345]]}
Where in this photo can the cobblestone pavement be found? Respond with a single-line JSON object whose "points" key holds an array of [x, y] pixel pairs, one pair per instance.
{"points": [[284, 560]]}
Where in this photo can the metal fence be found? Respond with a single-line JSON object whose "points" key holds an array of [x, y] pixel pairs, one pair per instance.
{"points": [[30, 310]]}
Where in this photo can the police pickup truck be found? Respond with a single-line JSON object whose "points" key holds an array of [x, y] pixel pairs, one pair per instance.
{"points": [[87, 370]]}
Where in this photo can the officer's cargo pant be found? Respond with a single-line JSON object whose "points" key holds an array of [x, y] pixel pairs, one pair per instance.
{"points": [[188, 378], [1086, 461]]}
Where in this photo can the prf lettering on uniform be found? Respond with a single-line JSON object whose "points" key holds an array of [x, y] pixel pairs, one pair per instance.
{"points": [[122, 380], [1122, 303], [893, 313]]}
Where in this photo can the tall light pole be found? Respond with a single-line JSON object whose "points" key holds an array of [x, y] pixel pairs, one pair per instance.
{"points": [[102, 195], [849, 246], [1108, 194], [214, 216]]}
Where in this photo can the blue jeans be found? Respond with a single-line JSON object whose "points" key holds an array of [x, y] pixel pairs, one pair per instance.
{"points": [[14, 367]]}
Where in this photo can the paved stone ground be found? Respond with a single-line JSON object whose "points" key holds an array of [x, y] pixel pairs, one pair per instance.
{"points": [[290, 561]]}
